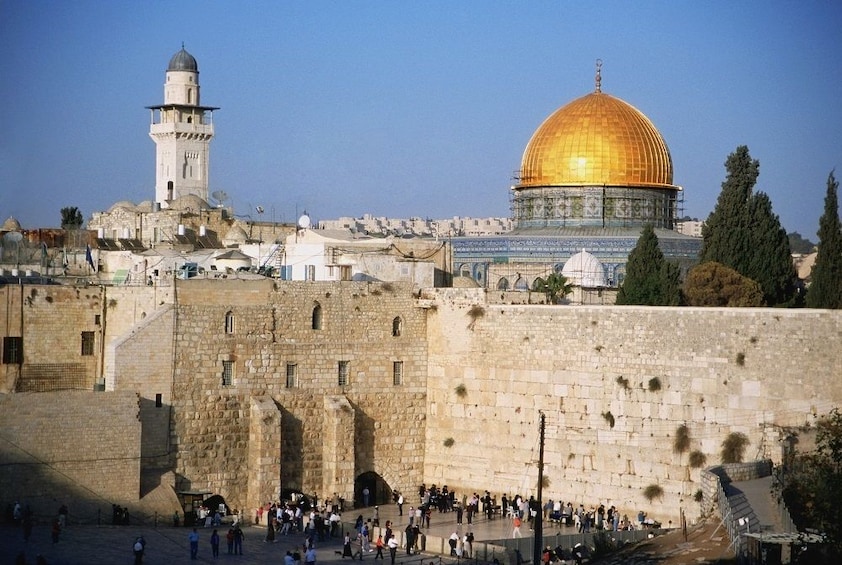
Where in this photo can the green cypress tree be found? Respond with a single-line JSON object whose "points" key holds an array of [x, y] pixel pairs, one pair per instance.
{"points": [[770, 262], [826, 287], [650, 279], [743, 233], [725, 234], [670, 284]]}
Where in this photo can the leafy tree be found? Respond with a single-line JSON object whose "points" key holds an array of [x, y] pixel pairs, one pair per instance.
{"points": [[744, 234], [650, 279], [800, 245], [812, 484], [554, 286], [714, 284], [71, 218], [825, 289]]}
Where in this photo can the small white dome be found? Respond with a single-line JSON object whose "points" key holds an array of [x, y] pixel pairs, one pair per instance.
{"points": [[583, 269]]}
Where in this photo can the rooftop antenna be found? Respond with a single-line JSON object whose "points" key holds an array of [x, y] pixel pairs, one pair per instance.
{"points": [[599, 75], [220, 196]]}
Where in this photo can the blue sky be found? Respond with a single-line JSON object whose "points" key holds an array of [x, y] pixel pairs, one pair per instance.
{"points": [[409, 108]]}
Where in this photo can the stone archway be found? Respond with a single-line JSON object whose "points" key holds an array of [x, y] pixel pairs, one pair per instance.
{"points": [[379, 490]]}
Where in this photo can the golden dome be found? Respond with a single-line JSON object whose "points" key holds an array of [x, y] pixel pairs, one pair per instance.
{"points": [[597, 140]]}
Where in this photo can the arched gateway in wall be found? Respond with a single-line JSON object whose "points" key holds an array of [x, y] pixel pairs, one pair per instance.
{"points": [[379, 491]]}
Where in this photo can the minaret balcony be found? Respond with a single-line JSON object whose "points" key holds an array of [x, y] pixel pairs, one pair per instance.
{"points": [[181, 127]]}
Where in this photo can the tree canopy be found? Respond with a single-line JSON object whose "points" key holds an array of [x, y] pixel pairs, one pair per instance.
{"points": [[650, 279], [826, 286], [71, 218], [555, 286], [743, 233], [714, 284], [812, 484]]}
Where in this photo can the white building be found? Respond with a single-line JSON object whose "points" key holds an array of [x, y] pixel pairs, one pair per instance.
{"points": [[182, 130], [334, 255]]}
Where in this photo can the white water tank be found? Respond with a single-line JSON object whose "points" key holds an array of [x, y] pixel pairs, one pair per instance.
{"points": [[100, 233], [202, 231], [180, 229]]}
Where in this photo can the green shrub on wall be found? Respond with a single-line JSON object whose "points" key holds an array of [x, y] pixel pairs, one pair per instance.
{"points": [[652, 492], [734, 447], [681, 443], [697, 459]]}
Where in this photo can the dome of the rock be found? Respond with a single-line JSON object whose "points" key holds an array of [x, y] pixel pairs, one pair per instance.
{"points": [[597, 140]]}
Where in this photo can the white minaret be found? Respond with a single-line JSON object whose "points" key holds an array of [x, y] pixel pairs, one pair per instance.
{"points": [[182, 131]]}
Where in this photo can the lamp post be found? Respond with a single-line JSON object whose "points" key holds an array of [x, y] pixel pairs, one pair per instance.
{"points": [[538, 542], [259, 211]]}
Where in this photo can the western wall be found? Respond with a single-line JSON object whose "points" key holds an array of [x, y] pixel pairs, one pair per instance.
{"points": [[615, 385]]}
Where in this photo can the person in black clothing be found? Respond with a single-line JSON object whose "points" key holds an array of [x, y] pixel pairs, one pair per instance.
{"points": [[410, 539]]}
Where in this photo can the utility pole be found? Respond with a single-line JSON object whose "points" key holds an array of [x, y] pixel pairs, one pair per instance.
{"points": [[538, 542]]}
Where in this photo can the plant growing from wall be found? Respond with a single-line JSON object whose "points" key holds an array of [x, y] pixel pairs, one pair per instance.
{"points": [[741, 358], [652, 492], [388, 287], [623, 382], [697, 459], [699, 496], [609, 417], [681, 443], [734, 447], [545, 482], [461, 391], [449, 442], [475, 313], [654, 384]]}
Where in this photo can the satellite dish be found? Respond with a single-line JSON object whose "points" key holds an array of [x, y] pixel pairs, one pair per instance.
{"points": [[304, 221], [13, 237]]}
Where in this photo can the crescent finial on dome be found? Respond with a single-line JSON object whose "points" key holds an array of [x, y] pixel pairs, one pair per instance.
{"points": [[598, 75]]}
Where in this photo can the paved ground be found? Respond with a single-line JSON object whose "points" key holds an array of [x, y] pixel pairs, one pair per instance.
{"points": [[166, 545]]}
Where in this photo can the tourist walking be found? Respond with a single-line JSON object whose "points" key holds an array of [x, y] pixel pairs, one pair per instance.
{"points": [[193, 538], [516, 527], [346, 547], [137, 548], [310, 556], [393, 548], [214, 541], [238, 540]]}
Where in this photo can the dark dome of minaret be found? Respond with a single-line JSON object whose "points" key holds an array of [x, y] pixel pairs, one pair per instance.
{"points": [[183, 61]]}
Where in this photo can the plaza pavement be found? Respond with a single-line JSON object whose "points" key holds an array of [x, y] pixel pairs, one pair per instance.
{"points": [[168, 545]]}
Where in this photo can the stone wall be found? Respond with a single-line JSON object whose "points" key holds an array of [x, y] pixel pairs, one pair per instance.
{"points": [[615, 384], [75, 447], [273, 329], [50, 320]]}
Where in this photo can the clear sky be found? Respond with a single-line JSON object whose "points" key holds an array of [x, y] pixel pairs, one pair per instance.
{"points": [[409, 108]]}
